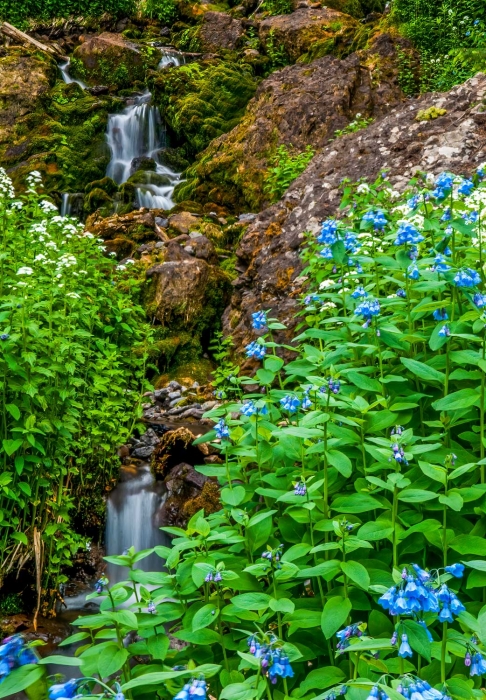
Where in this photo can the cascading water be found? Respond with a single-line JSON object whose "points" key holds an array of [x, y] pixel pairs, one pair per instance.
{"points": [[64, 68], [138, 132], [131, 520]]}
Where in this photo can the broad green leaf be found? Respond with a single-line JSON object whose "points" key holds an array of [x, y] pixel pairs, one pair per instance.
{"points": [[464, 398], [355, 503], [20, 679], [423, 371], [321, 678], [334, 615], [233, 496], [251, 601], [357, 573], [417, 637], [204, 616], [111, 660]]}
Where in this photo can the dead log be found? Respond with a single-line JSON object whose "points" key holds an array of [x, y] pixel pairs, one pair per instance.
{"points": [[15, 33]]}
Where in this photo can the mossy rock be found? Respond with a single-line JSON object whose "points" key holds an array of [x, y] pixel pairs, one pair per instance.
{"points": [[126, 194], [146, 177], [106, 184], [174, 158], [204, 99], [97, 199]]}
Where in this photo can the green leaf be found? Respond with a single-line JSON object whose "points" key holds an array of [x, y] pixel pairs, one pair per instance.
{"points": [[265, 377], [158, 646], [61, 660], [340, 461], [376, 530], [338, 251], [362, 381], [464, 398], [423, 371], [11, 446], [469, 544], [206, 670], [273, 363], [416, 495], [204, 637], [13, 410], [20, 679], [334, 615], [78, 637], [204, 616], [357, 573], [355, 503], [321, 678], [251, 601], [233, 496], [238, 691], [283, 605], [452, 500], [111, 660], [417, 637]]}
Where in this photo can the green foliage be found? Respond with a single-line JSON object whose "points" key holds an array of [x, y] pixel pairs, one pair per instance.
{"points": [[202, 100], [10, 604], [450, 37], [276, 52], [21, 10], [163, 10], [277, 7], [71, 371], [285, 169], [225, 377], [426, 115], [358, 123]]}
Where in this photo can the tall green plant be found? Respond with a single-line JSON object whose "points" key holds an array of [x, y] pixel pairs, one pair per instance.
{"points": [[71, 370], [20, 11]]}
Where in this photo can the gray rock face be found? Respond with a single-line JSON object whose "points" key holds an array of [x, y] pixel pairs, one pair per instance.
{"points": [[220, 31], [270, 250]]}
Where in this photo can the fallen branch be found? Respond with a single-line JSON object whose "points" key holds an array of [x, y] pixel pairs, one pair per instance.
{"points": [[15, 33]]}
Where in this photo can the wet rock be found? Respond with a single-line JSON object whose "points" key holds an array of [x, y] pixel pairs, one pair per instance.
{"points": [[124, 233], [220, 31], [97, 90], [308, 28], [298, 106], [187, 492], [269, 251], [183, 222], [201, 247], [143, 452], [143, 163]]}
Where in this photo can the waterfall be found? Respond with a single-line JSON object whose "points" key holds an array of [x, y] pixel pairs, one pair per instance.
{"points": [[138, 132], [65, 204], [64, 68], [171, 57], [131, 520]]}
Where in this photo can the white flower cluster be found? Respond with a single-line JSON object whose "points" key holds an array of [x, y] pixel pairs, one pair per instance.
{"points": [[6, 188]]}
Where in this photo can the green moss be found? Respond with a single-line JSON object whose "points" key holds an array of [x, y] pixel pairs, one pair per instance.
{"points": [[98, 199], [106, 184], [204, 99]]}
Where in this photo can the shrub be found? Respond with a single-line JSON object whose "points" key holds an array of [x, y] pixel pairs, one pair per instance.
{"points": [[71, 370], [163, 10], [21, 10]]}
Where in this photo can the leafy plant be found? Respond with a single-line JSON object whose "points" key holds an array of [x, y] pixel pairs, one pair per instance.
{"points": [[276, 52], [286, 168], [20, 11], [225, 377], [277, 7], [72, 367], [164, 10], [348, 555], [358, 123]]}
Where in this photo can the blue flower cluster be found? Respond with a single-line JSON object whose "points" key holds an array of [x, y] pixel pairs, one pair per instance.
{"points": [[328, 232], [445, 331], [333, 386], [413, 272], [13, 654], [100, 584], [221, 429], [259, 320], [440, 264], [290, 403], [476, 663], [398, 454], [377, 694], [195, 689], [416, 594], [214, 576], [467, 278], [407, 234], [413, 201], [359, 292], [151, 607], [417, 689], [306, 402], [64, 691], [348, 633], [479, 300], [367, 309], [256, 350], [274, 661], [443, 184], [249, 408], [440, 315], [466, 187], [375, 217], [300, 489]]}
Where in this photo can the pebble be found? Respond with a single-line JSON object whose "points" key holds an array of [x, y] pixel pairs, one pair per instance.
{"points": [[174, 395], [143, 452]]}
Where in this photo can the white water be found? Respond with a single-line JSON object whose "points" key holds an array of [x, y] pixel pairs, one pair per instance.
{"points": [[138, 131], [66, 204], [171, 56], [64, 68], [131, 521]]}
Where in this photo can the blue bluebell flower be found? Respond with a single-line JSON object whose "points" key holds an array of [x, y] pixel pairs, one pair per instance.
{"points": [[413, 272], [423, 624], [478, 666], [398, 454], [375, 217], [256, 350], [405, 649], [401, 293], [374, 693], [351, 242], [249, 408], [467, 278], [422, 574], [63, 690], [259, 320], [280, 666], [407, 234], [100, 584], [447, 215], [466, 187], [479, 300], [221, 430], [119, 696], [300, 489], [306, 402], [471, 217], [360, 291], [4, 336], [151, 607], [456, 570], [450, 604], [413, 201], [467, 659], [346, 634], [440, 264], [440, 315], [326, 253], [481, 171], [368, 308], [310, 298], [290, 403], [328, 232], [445, 331], [444, 180]]}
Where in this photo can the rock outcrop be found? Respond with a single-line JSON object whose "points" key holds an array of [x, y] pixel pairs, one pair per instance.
{"points": [[220, 31], [317, 30], [300, 105], [269, 251]]}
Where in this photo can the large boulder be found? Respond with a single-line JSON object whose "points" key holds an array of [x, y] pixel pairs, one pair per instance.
{"points": [[269, 253], [220, 31], [110, 59], [298, 106], [318, 31]]}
